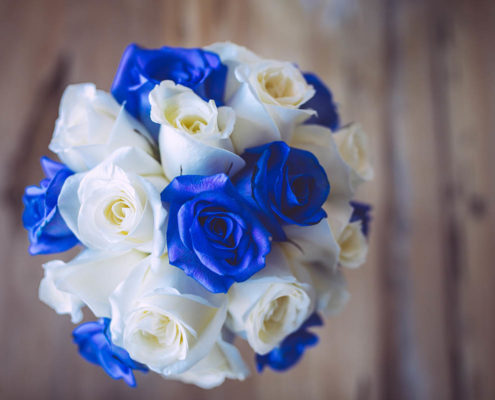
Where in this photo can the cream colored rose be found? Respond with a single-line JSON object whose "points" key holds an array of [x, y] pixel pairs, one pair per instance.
{"points": [[278, 83], [353, 147], [91, 125], [232, 55], [270, 305], [195, 134], [353, 246], [223, 362], [116, 206], [267, 102], [166, 319]]}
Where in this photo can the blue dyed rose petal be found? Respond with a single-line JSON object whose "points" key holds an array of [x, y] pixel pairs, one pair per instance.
{"points": [[140, 70], [95, 345], [361, 212], [286, 185], [213, 235], [47, 231], [322, 103], [291, 349]]}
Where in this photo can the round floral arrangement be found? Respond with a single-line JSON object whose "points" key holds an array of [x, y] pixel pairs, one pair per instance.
{"points": [[211, 194]]}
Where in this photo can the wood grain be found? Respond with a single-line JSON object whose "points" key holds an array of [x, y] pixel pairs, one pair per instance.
{"points": [[419, 77]]}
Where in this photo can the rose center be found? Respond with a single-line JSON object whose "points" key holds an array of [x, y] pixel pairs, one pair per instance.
{"points": [[275, 316], [301, 187], [278, 85], [117, 211], [160, 331]]}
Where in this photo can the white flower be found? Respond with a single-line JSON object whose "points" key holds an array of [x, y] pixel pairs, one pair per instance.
{"points": [[353, 146], [265, 94], [353, 246], [223, 362], [165, 319], [320, 141], [270, 305], [195, 134], [277, 83], [267, 103], [231, 56], [91, 125], [313, 249], [88, 279], [116, 205]]}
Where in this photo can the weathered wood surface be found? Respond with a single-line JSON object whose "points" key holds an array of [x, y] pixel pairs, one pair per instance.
{"points": [[420, 77]]}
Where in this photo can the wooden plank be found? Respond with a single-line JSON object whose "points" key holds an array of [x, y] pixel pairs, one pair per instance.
{"points": [[417, 75]]}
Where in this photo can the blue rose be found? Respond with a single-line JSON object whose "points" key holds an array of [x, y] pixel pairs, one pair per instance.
{"points": [[95, 345], [47, 231], [322, 103], [140, 70], [213, 235], [291, 349], [361, 212], [286, 185]]}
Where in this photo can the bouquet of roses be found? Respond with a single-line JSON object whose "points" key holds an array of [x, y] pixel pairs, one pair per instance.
{"points": [[211, 194]]}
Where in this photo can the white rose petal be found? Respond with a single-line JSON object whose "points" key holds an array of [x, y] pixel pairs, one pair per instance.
{"points": [[116, 206], [314, 250], [353, 246], [62, 302], [166, 319], [314, 243], [331, 289], [267, 103], [277, 83], [223, 362], [195, 134], [231, 56], [353, 146], [91, 125], [271, 305], [90, 278], [320, 141]]}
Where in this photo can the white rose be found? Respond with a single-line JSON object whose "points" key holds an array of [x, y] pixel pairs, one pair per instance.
{"points": [[267, 103], [353, 146], [320, 141], [88, 279], [223, 362], [165, 319], [91, 125], [272, 304], [232, 55], [314, 250], [353, 246], [116, 205], [194, 135], [278, 83]]}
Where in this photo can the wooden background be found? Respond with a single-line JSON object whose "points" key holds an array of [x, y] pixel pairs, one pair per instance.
{"points": [[419, 75]]}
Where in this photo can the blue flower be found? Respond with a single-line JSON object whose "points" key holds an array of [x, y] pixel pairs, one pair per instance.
{"points": [[286, 185], [213, 235], [140, 70], [361, 212], [47, 231], [291, 349], [95, 345], [323, 103]]}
